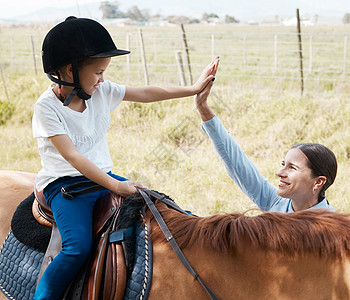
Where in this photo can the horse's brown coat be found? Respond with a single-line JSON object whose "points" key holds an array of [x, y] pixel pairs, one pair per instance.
{"points": [[14, 187], [304, 255]]}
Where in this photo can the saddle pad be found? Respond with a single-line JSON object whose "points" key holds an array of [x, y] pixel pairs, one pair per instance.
{"points": [[139, 282], [26, 229], [19, 268]]}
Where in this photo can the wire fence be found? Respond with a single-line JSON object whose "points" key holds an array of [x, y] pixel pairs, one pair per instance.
{"points": [[263, 57]]}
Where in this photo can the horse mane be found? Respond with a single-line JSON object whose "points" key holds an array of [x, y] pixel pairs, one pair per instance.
{"points": [[310, 231]]}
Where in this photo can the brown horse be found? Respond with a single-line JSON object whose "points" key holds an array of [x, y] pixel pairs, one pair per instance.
{"points": [[303, 255]]}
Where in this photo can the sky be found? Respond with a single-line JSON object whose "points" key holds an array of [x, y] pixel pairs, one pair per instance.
{"points": [[195, 8]]}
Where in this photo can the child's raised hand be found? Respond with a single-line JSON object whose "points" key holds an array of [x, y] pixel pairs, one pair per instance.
{"points": [[207, 75]]}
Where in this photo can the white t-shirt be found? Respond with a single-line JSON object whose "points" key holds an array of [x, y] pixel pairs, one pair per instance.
{"points": [[87, 130]]}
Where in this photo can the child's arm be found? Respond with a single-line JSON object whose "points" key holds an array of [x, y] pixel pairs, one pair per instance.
{"points": [[152, 93], [69, 152]]}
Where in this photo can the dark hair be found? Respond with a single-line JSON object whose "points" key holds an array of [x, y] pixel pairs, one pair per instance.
{"points": [[322, 162]]}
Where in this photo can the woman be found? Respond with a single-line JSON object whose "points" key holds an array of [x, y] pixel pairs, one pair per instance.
{"points": [[306, 173]]}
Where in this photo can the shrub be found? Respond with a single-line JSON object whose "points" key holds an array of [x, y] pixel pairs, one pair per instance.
{"points": [[6, 111]]}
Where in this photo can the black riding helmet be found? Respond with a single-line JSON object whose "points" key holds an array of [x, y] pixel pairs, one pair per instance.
{"points": [[71, 41]]}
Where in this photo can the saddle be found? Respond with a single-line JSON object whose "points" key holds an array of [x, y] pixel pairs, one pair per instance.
{"points": [[105, 274]]}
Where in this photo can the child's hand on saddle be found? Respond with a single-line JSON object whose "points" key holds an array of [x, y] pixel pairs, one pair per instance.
{"points": [[126, 188], [207, 75]]}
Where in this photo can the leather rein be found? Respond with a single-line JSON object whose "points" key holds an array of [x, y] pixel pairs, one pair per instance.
{"points": [[169, 237], [90, 186]]}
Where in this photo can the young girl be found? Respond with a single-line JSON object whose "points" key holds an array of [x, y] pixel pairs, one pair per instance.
{"points": [[70, 122]]}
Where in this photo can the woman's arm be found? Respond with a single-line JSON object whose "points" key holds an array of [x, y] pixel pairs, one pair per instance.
{"points": [[69, 152], [146, 94], [238, 166]]}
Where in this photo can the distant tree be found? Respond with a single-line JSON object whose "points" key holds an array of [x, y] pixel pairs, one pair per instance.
{"points": [[181, 20], [110, 10], [346, 18], [206, 17], [136, 14], [230, 19]]}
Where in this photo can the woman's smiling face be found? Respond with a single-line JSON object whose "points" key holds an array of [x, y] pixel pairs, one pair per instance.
{"points": [[295, 179]]}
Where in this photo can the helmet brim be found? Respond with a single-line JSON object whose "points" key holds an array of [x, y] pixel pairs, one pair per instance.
{"points": [[115, 52]]}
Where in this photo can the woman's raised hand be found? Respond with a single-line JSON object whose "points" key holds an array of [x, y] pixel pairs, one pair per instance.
{"points": [[207, 75]]}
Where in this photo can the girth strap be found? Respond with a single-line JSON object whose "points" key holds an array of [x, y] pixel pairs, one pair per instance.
{"points": [[169, 237]]}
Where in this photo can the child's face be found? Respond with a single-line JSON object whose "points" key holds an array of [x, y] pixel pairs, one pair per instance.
{"points": [[91, 75]]}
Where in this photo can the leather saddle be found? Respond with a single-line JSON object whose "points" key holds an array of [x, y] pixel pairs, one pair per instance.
{"points": [[105, 274]]}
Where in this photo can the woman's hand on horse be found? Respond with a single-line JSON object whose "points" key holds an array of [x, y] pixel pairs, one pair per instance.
{"points": [[207, 75]]}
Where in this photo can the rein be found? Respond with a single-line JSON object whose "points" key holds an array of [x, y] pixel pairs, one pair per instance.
{"points": [[169, 237], [84, 187]]}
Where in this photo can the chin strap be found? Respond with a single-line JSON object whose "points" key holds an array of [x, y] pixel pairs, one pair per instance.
{"points": [[77, 91]]}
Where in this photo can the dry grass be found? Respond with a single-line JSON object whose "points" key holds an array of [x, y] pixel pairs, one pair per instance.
{"points": [[163, 146]]}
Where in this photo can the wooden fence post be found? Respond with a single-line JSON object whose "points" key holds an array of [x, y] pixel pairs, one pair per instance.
{"points": [[245, 52], [275, 50], [186, 52], [33, 52], [212, 46], [155, 48], [4, 82], [345, 57], [300, 54], [180, 68], [128, 56], [310, 54], [12, 50], [143, 57]]}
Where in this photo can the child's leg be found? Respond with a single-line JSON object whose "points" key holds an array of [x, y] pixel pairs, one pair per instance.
{"points": [[74, 221]]}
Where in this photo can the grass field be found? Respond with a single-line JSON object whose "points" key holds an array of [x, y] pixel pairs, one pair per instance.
{"points": [[256, 97]]}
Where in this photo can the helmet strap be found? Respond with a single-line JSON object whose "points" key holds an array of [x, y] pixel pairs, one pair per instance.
{"points": [[77, 91]]}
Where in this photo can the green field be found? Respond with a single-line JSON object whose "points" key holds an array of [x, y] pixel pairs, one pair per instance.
{"points": [[256, 95]]}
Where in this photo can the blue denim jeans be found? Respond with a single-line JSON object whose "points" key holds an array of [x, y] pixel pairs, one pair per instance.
{"points": [[74, 222]]}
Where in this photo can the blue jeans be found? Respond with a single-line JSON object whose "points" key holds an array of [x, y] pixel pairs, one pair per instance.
{"points": [[74, 222]]}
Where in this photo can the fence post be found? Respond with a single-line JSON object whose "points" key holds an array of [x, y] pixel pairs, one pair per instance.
{"points": [[212, 46], [128, 56], [33, 52], [275, 51], [245, 52], [12, 50], [345, 50], [180, 68], [155, 48], [300, 54], [187, 52], [143, 57], [4, 82], [310, 54]]}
